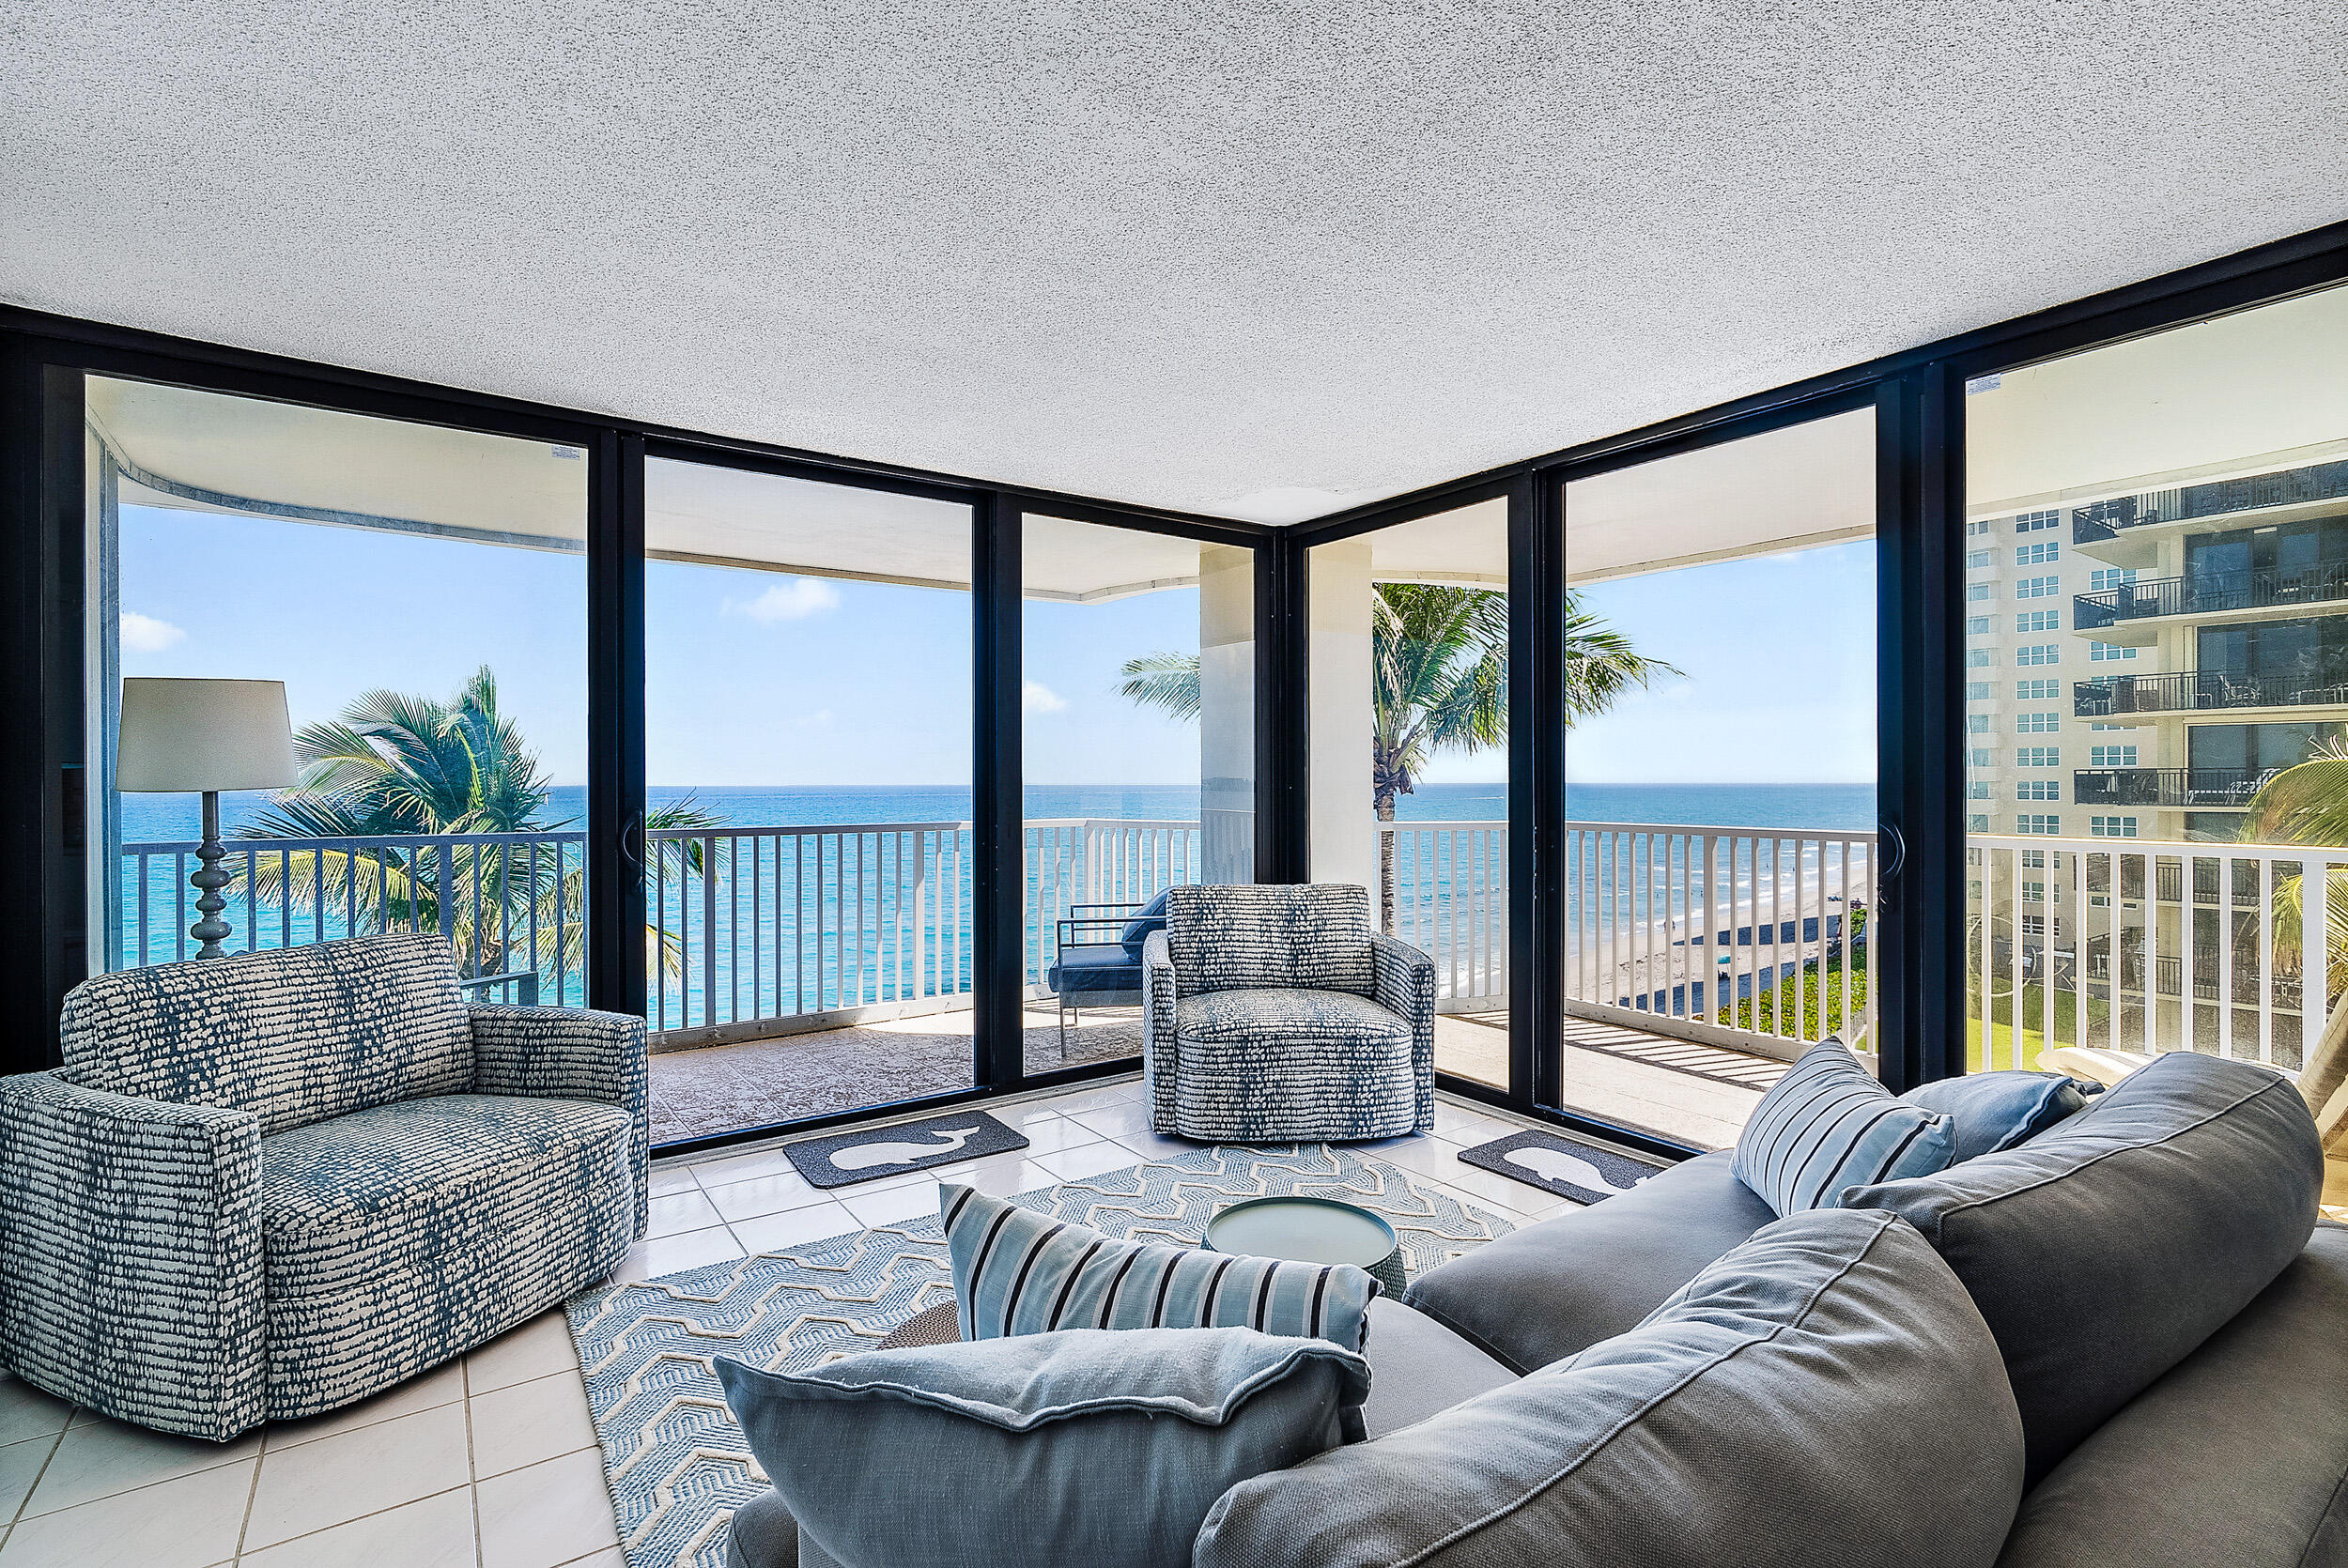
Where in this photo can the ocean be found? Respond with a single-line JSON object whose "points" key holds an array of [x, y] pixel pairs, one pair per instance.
{"points": [[775, 925], [1831, 807]]}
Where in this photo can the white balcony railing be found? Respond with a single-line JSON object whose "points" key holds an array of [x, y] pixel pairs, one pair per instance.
{"points": [[1723, 934], [2143, 946], [1728, 935]]}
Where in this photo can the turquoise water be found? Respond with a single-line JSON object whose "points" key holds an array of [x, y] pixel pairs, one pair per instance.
{"points": [[1849, 808], [797, 924]]}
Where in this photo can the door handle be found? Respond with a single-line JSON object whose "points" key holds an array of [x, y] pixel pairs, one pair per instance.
{"points": [[633, 840], [1887, 836]]}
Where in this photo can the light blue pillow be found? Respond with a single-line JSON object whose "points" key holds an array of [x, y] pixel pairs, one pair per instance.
{"points": [[1080, 1447], [1827, 1125], [1997, 1111], [1020, 1273]]}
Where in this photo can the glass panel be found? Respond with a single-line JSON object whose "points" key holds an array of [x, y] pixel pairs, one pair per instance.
{"points": [[2156, 858], [1139, 699], [1721, 767], [421, 593], [1409, 650], [808, 759]]}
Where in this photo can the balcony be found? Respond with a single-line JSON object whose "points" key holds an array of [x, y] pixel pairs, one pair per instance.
{"points": [[2054, 959], [2230, 594], [2109, 519], [2173, 786], [806, 969], [2203, 691]]}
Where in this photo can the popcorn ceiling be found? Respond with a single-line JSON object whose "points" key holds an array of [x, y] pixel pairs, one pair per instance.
{"points": [[1263, 259]]}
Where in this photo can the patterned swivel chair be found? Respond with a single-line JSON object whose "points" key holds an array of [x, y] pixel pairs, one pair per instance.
{"points": [[1275, 1015], [268, 1186]]}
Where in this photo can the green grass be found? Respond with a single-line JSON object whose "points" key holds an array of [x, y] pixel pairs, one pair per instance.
{"points": [[2033, 1037], [1819, 989]]}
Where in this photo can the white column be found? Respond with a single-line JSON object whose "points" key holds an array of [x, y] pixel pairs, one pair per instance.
{"points": [[1226, 713], [1337, 644]]}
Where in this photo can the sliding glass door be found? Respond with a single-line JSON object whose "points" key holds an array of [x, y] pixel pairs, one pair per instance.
{"points": [[807, 845], [2156, 603], [1137, 712], [1719, 864], [420, 592], [1408, 643]]}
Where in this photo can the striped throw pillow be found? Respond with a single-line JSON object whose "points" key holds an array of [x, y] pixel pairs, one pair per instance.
{"points": [[1827, 1125], [1020, 1273]]}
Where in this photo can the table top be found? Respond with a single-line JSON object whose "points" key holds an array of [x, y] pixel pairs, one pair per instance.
{"points": [[1304, 1230]]}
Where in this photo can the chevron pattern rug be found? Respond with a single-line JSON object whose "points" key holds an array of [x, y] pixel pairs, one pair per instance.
{"points": [[677, 1463]]}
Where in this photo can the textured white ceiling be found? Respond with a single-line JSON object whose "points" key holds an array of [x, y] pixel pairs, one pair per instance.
{"points": [[1249, 259]]}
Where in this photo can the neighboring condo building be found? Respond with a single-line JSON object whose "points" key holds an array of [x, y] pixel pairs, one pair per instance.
{"points": [[2155, 620]]}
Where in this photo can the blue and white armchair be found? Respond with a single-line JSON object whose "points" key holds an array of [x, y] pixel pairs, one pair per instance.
{"points": [[266, 1186], [1275, 1015]]}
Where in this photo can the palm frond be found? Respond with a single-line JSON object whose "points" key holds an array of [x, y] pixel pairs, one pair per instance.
{"points": [[1166, 682]]}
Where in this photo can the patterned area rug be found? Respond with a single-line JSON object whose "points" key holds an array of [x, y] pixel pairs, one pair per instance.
{"points": [[678, 1465]]}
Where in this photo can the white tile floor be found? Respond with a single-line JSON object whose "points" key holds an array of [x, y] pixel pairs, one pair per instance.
{"points": [[491, 1461]]}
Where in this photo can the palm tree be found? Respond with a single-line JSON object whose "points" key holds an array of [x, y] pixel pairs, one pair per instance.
{"points": [[2307, 804], [395, 766], [1439, 681]]}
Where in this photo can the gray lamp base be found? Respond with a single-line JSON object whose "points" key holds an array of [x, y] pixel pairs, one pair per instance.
{"points": [[208, 880]]}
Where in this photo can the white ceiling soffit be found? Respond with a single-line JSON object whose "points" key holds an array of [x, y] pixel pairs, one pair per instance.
{"points": [[2243, 393], [1795, 488], [207, 452], [1252, 260]]}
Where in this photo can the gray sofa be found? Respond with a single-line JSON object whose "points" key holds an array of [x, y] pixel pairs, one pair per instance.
{"points": [[264, 1186], [2171, 1318]]}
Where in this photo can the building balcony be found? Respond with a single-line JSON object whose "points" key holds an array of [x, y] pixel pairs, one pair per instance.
{"points": [[2212, 595], [2203, 691], [2194, 788], [816, 970], [2266, 493]]}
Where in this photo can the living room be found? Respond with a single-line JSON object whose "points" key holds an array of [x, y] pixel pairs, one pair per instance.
{"points": [[772, 775]]}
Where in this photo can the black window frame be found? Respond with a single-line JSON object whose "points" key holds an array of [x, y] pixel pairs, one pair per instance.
{"points": [[1918, 395]]}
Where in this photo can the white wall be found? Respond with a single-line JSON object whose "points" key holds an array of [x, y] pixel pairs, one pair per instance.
{"points": [[1337, 643]]}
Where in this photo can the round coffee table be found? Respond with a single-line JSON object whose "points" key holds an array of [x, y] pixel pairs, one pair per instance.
{"points": [[1310, 1230]]}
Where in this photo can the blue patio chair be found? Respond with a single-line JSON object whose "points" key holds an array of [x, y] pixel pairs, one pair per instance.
{"points": [[1097, 958]]}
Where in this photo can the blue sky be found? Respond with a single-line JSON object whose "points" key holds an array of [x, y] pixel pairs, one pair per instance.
{"points": [[756, 679]]}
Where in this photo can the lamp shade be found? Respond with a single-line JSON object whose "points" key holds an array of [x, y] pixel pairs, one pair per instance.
{"points": [[195, 735]]}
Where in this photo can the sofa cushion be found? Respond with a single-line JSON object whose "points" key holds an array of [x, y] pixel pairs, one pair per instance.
{"points": [[295, 1035], [1997, 1110], [395, 1238], [1150, 918], [1096, 969], [2103, 1252], [2236, 1455], [1077, 1446], [1418, 1368], [1552, 1289], [1017, 1271], [1289, 1015], [1828, 1125], [1314, 936], [1772, 1415]]}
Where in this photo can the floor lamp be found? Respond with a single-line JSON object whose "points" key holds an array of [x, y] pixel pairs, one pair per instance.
{"points": [[184, 736]]}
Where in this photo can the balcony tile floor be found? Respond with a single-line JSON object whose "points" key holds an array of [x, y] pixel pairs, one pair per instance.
{"points": [[1696, 1094], [490, 1461]]}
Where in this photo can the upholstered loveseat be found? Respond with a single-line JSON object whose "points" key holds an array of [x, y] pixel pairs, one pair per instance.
{"points": [[264, 1186]]}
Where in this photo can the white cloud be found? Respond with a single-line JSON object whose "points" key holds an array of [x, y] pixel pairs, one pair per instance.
{"points": [[144, 634], [819, 720], [792, 600], [1037, 698]]}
